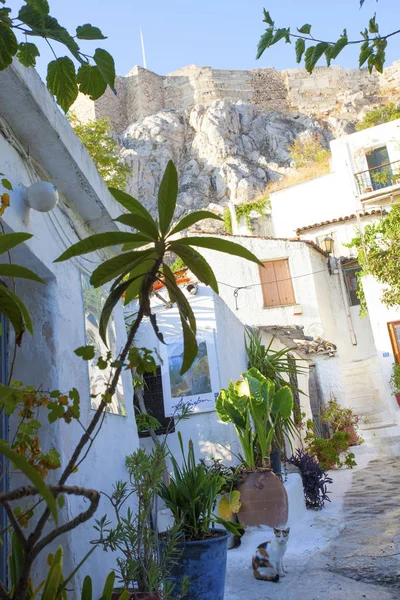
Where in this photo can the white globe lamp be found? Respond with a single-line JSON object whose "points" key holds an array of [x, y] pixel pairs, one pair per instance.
{"points": [[42, 196]]}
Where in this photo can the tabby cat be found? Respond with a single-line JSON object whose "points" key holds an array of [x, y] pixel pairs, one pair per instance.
{"points": [[268, 560]]}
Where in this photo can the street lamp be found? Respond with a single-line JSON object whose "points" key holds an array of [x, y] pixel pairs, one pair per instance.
{"points": [[327, 244]]}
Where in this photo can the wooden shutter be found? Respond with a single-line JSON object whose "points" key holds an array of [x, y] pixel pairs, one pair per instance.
{"points": [[276, 283], [394, 332]]}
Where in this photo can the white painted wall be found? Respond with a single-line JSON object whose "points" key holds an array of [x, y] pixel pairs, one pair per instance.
{"points": [[381, 315], [211, 437], [47, 358]]}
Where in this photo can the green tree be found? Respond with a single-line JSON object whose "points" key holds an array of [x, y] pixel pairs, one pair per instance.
{"points": [[33, 20], [378, 249], [311, 49], [103, 149], [377, 116]]}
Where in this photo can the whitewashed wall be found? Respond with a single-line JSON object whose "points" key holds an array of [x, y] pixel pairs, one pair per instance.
{"points": [[47, 359], [211, 437]]}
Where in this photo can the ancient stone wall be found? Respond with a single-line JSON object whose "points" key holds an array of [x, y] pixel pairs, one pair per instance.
{"points": [[143, 93]]}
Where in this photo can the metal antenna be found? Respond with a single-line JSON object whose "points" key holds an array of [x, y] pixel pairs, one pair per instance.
{"points": [[143, 52]]}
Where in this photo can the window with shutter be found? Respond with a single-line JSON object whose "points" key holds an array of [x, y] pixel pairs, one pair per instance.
{"points": [[276, 283], [154, 402]]}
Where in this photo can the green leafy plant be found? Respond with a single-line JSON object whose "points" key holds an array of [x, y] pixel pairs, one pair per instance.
{"points": [[33, 20], [244, 210], [378, 116], [253, 406], [103, 148], [395, 378], [339, 418], [378, 250], [11, 304], [135, 271], [310, 49], [332, 452], [178, 265], [229, 505], [191, 496], [307, 151], [142, 566]]}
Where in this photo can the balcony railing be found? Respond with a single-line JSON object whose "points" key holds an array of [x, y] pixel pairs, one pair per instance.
{"points": [[378, 178]]}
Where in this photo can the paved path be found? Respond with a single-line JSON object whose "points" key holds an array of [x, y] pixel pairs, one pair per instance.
{"points": [[348, 555]]}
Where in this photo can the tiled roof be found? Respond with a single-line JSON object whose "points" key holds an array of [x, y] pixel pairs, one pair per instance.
{"points": [[352, 217], [293, 337], [260, 237]]}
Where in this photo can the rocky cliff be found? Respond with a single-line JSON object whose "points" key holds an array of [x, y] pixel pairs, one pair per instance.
{"points": [[228, 131]]}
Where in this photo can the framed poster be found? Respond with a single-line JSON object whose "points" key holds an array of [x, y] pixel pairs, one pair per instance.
{"points": [[199, 387], [93, 300]]}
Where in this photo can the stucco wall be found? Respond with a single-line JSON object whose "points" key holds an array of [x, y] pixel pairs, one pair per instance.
{"points": [[47, 359]]}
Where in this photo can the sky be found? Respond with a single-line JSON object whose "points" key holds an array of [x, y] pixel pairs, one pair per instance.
{"points": [[218, 33]]}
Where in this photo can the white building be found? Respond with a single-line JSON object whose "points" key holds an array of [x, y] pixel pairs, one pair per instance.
{"points": [[38, 144]]}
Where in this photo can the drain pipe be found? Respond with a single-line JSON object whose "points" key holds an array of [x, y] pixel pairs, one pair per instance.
{"points": [[350, 325]]}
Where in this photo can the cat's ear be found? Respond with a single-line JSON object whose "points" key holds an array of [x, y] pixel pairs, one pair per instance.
{"points": [[287, 531]]}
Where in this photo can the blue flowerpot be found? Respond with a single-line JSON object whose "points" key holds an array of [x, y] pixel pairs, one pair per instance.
{"points": [[276, 463], [204, 562]]}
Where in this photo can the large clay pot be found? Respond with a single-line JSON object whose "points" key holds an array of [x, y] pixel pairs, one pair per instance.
{"points": [[398, 399], [264, 500], [353, 441], [138, 595]]}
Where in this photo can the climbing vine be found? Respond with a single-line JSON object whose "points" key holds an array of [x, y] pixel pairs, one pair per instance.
{"points": [[378, 255], [244, 210]]}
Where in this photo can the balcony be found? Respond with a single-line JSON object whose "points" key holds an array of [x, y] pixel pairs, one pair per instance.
{"points": [[379, 183]]}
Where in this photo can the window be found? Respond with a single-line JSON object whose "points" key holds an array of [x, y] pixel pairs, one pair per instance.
{"points": [[276, 283], [351, 281], [154, 402], [379, 167], [394, 332]]}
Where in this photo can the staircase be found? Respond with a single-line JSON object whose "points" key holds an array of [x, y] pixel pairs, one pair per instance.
{"points": [[363, 385]]}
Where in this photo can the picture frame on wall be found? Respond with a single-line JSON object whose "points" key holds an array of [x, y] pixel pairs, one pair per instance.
{"points": [[198, 388]]}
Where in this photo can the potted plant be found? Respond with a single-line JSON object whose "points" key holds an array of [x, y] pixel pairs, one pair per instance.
{"points": [[395, 381], [331, 453], [191, 496], [282, 369], [253, 406], [142, 567], [342, 419]]}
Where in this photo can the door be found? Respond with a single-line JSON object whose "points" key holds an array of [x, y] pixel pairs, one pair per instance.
{"points": [[394, 332], [379, 168], [3, 436]]}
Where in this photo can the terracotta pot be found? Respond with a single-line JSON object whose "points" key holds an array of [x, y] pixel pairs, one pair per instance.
{"points": [[138, 595], [353, 435], [264, 500], [398, 399]]}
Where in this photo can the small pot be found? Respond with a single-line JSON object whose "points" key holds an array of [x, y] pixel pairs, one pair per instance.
{"points": [[137, 595], [276, 463], [353, 441], [398, 399]]}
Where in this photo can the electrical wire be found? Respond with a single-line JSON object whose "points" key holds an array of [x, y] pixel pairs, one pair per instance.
{"points": [[250, 285]]}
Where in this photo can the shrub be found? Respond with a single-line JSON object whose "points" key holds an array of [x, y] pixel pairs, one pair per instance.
{"points": [[328, 451], [307, 151], [380, 115], [315, 479], [339, 418]]}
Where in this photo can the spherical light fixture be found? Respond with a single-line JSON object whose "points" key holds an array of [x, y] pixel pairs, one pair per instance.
{"points": [[42, 196]]}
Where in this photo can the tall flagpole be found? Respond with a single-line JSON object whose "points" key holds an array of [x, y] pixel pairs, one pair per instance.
{"points": [[143, 52]]}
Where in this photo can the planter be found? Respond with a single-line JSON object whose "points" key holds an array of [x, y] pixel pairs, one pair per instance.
{"points": [[276, 464], [353, 435], [398, 398], [137, 595], [204, 562], [264, 500]]}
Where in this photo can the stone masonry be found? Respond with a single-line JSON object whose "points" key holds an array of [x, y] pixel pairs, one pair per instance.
{"points": [[327, 92]]}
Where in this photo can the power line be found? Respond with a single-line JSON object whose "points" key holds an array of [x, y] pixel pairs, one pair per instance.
{"points": [[250, 285]]}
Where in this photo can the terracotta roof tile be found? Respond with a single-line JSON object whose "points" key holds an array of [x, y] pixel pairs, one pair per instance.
{"points": [[351, 217]]}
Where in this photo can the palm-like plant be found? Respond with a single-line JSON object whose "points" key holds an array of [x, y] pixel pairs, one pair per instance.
{"points": [[142, 260]]}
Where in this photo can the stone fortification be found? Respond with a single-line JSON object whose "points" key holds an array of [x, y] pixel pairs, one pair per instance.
{"points": [[328, 92]]}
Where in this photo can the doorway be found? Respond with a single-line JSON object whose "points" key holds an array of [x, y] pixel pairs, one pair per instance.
{"points": [[379, 168]]}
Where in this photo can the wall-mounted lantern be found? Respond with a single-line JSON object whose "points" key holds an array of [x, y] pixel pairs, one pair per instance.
{"points": [[327, 244]]}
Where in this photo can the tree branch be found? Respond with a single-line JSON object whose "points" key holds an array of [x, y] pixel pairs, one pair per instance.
{"points": [[13, 520]]}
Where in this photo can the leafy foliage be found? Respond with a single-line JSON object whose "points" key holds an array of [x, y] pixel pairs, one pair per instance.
{"points": [[64, 82], [244, 210], [135, 271], [395, 378], [339, 418], [328, 451], [307, 151], [10, 304], [379, 115], [378, 251], [140, 564], [310, 50], [191, 496], [315, 479], [254, 406], [103, 149]]}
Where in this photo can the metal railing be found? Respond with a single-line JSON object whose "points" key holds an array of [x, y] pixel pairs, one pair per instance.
{"points": [[378, 178]]}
